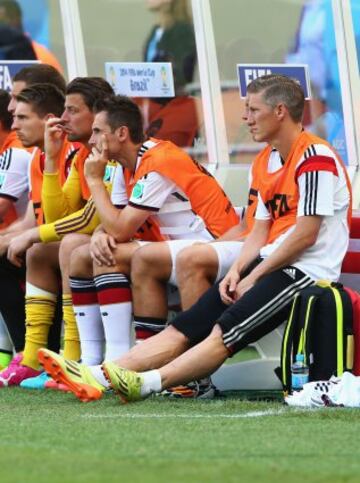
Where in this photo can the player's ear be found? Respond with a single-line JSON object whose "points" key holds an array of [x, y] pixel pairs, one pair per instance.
{"points": [[281, 110], [122, 133]]}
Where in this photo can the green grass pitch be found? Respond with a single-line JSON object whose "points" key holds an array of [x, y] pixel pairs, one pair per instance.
{"points": [[51, 437]]}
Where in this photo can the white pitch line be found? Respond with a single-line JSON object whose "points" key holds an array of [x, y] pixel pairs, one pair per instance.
{"points": [[251, 414]]}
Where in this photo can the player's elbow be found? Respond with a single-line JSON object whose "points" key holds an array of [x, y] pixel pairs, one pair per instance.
{"points": [[122, 237], [118, 233], [308, 230], [309, 238], [121, 227]]}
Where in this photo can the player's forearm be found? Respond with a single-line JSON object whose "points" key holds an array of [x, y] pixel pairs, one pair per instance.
{"points": [[109, 215], [28, 221], [83, 221], [54, 202], [7, 236], [287, 253], [235, 233], [60, 201], [33, 235], [255, 240], [51, 165], [54, 138]]}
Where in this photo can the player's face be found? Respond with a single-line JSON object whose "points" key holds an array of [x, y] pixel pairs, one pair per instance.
{"points": [[260, 118], [78, 118], [28, 125], [17, 87], [99, 129]]}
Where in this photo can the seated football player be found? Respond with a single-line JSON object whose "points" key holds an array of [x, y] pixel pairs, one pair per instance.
{"points": [[165, 194]]}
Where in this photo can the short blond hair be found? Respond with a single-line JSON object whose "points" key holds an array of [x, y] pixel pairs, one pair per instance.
{"points": [[276, 89]]}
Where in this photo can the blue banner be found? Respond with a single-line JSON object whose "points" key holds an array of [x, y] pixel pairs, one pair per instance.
{"points": [[249, 72], [8, 68]]}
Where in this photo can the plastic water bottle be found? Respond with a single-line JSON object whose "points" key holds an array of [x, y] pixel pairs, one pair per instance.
{"points": [[299, 373]]}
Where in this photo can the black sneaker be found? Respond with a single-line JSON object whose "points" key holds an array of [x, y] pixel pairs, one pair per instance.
{"points": [[201, 389]]}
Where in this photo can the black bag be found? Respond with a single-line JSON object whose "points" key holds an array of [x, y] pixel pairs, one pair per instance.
{"points": [[320, 327]]}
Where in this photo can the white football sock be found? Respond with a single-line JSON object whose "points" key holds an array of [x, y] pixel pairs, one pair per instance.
{"points": [[99, 376], [91, 331], [114, 296], [88, 320], [152, 382], [116, 320]]}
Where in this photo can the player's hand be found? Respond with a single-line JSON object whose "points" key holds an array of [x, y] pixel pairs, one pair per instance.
{"points": [[227, 286], [244, 285], [96, 162], [53, 138], [101, 249], [18, 246]]}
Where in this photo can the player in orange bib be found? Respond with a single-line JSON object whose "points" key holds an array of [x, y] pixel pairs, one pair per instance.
{"points": [[200, 266], [14, 169], [160, 184]]}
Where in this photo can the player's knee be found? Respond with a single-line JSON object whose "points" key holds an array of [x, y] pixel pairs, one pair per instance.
{"points": [[187, 260], [123, 255], [81, 262], [175, 335], [35, 255], [216, 332], [194, 263], [217, 337], [148, 262], [68, 244], [141, 264]]}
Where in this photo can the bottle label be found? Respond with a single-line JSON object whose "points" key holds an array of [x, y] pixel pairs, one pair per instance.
{"points": [[298, 380]]}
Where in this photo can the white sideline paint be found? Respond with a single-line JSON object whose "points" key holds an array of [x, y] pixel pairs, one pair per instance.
{"points": [[251, 414]]}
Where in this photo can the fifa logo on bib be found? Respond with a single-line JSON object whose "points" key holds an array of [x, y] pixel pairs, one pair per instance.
{"points": [[278, 205]]}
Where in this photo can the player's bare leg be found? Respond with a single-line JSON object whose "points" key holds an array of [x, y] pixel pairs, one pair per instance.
{"points": [[196, 270]]}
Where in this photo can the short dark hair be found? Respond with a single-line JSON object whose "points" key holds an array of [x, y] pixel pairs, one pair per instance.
{"points": [[44, 99], [122, 111], [5, 116], [41, 74], [277, 88], [90, 88]]}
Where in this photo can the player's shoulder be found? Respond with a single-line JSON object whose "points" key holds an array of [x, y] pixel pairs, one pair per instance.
{"points": [[319, 149], [14, 158], [318, 155]]}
